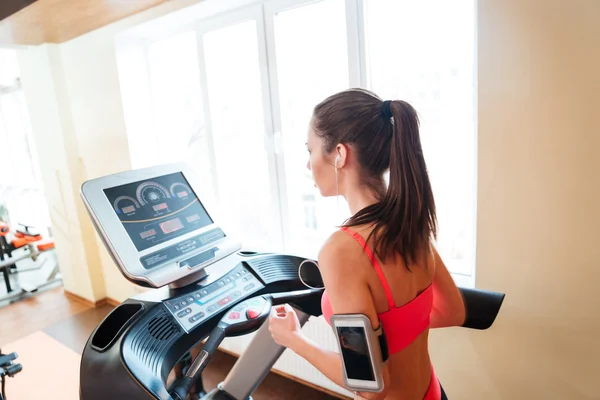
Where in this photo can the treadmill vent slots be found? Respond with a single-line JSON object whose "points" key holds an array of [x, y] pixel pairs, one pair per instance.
{"points": [[275, 268], [161, 328], [153, 339]]}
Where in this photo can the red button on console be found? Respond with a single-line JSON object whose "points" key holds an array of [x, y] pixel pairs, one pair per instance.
{"points": [[224, 301], [252, 313], [234, 315]]}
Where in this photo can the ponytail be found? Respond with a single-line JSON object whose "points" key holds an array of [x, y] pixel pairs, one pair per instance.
{"points": [[409, 199], [405, 217]]}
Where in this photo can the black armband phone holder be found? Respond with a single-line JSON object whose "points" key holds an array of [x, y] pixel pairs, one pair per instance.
{"points": [[385, 352]]}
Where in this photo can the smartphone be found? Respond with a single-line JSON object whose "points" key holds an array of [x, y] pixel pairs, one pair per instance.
{"points": [[361, 352]]}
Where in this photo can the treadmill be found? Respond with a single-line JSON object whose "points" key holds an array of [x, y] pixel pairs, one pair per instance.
{"points": [[203, 287]]}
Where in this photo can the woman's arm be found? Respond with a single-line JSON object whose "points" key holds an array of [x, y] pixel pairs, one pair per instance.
{"points": [[448, 305], [284, 326], [349, 293], [327, 361]]}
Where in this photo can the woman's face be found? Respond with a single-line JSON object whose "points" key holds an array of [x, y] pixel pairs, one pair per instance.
{"points": [[320, 164]]}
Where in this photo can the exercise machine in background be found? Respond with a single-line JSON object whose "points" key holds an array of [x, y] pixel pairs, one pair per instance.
{"points": [[26, 253], [7, 368]]}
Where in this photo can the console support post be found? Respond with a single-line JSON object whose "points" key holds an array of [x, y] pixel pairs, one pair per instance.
{"points": [[255, 363]]}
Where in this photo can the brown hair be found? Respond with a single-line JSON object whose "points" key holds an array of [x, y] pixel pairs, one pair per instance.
{"points": [[404, 218]]}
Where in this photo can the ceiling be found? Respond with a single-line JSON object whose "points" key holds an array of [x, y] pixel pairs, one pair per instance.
{"points": [[56, 21]]}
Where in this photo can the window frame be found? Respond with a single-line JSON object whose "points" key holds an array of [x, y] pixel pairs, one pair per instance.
{"points": [[210, 16]]}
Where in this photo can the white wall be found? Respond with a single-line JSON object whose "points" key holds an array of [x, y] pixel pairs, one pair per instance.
{"points": [[537, 239], [93, 87], [53, 131], [538, 216]]}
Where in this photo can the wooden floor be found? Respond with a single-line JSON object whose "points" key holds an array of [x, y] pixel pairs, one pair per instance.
{"points": [[71, 323]]}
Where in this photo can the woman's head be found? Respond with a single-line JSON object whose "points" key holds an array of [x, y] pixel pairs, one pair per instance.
{"points": [[355, 129]]}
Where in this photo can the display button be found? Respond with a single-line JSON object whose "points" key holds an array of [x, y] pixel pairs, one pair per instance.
{"points": [[196, 317], [244, 271], [190, 299], [211, 308], [227, 280], [224, 301], [185, 312], [221, 283], [176, 307], [197, 295], [238, 274], [252, 313], [234, 315], [255, 302], [204, 292], [183, 303]]}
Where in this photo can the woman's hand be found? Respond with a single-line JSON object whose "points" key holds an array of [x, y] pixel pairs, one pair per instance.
{"points": [[284, 326]]}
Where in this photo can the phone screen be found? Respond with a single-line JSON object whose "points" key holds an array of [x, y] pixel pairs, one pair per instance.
{"points": [[355, 351]]}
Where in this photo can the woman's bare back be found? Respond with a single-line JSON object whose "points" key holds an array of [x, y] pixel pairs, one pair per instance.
{"points": [[410, 369]]}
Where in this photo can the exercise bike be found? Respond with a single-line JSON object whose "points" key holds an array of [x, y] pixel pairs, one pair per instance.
{"points": [[24, 244], [203, 287]]}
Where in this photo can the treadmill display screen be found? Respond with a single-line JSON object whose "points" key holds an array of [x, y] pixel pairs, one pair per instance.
{"points": [[154, 211]]}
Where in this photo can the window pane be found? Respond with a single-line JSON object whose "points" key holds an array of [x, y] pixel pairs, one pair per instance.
{"points": [[15, 126], [423, 52], [9, 67], [238, 130], [180, 133], [310, 67], [21, 189], [7, 177]]}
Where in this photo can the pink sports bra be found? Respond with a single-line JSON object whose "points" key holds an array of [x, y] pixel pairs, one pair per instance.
{"points": [[402, 324]]}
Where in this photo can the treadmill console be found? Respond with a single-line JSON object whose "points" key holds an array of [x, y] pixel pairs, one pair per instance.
{"points": [[154, 225], [201, 304]]}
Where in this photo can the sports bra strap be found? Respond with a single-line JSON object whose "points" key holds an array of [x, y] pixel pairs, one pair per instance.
{"points": [[363, 243]]}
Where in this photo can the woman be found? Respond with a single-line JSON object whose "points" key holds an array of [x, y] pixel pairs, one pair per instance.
{"points": [[382, 262]]}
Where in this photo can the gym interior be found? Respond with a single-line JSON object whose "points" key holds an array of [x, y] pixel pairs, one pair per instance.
{"points": [[97, 96]]}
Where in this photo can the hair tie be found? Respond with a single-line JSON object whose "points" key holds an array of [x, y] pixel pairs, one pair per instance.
{"points": [[385, 109]]}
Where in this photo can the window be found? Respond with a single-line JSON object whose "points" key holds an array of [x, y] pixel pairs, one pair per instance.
{"points": [[429, 62], [21, 189], [233, 94], [309, 67], [179, 131]]}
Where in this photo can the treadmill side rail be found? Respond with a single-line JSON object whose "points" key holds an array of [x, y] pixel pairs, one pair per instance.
{"points": [[256, 362], [481, 307]]}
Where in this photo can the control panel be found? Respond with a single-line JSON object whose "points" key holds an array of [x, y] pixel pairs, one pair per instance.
{"points": [[197, 306], [245, 311]]}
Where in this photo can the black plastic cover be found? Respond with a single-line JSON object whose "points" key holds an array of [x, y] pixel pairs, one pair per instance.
{"points": [[481, 307]]}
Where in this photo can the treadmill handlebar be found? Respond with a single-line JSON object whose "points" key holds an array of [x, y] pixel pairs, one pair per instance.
{"points": [[182, 386], [481, 307], [286, 297]]}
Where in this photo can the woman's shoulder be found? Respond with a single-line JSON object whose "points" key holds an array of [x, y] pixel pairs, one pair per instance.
{"points": [[341, 248]]}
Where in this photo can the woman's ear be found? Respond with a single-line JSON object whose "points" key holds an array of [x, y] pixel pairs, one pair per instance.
{"points": [[341, 157]]}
